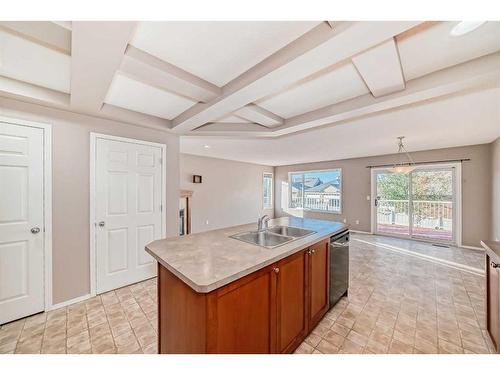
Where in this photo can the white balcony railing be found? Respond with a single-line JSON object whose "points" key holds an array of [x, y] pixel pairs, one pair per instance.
{"points": [[320, 202], [426, 214]]}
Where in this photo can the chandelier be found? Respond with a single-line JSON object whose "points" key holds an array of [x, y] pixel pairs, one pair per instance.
{"points": [[406, 163]]}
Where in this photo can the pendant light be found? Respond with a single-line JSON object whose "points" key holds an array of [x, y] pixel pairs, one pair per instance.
{"points": [[403, 166]]}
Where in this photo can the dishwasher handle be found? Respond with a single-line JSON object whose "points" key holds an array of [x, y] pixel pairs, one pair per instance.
{"points": [[340, 240], [340, 244]]}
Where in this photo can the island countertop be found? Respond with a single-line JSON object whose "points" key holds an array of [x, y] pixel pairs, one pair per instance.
{"points": [[206, 261], [492, 248]]}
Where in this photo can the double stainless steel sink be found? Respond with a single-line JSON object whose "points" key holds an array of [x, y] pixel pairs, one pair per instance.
{"points": [[274, 236]]}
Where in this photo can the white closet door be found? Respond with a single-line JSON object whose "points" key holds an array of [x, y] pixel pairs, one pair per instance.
{"points": [[21, 222], [128, 211]]}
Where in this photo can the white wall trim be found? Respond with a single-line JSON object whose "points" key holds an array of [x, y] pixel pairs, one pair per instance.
{"points": [[477, 248], [47, 201], [359, 231], [93, 144], [70, 302]]}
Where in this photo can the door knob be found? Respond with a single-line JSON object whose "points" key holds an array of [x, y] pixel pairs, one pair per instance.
{"points": [[101, 223], [495, 265], [35, 230], [276, 270]]}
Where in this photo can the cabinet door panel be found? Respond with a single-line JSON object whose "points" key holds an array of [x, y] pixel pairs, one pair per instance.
{"points": [[319, 285], [244, 322], [493, 304], [291, 299]]}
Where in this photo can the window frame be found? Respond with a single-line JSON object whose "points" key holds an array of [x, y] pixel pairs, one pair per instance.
{"points": [[271, 190], [314, 209]]}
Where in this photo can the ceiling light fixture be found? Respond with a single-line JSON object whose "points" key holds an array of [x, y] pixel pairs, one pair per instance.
{"points": [[403, 166], [465, 27]]}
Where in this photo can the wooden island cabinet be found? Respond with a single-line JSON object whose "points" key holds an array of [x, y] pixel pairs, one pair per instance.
{"points": [[270, 310], [493, 291]]}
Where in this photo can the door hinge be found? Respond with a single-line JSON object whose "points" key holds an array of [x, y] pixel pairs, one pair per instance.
{"points": [[161, 207]]}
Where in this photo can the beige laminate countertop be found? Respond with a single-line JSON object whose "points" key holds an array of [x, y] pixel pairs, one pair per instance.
{"points": [[206, 261], [493, 249]]}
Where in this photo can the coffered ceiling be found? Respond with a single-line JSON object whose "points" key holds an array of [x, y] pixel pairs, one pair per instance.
{"points": [[242, 79]]}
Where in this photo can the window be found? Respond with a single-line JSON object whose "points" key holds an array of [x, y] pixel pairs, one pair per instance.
{"points": [[267, 190], [317, 190]]}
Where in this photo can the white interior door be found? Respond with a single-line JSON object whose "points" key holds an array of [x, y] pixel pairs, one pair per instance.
{"points": [[128, 198], [21, 221]]}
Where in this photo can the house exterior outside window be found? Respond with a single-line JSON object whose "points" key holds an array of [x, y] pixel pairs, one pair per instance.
{"points": [[316, 190]]}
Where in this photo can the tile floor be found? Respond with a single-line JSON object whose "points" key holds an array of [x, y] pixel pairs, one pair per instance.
{"points": [[404, 297], [120, 321]]}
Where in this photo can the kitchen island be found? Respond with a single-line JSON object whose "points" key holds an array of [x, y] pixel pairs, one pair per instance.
{"points": [[217, 294]]}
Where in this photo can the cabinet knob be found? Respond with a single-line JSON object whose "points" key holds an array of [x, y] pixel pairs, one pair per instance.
{"points": [[309, 252], [313, 251], [495, 265], [35, 230], [276, 270]]}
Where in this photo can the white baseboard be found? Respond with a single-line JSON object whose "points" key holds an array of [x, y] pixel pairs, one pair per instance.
{"points": [[472, 247], [359, 231], [68, 302]]}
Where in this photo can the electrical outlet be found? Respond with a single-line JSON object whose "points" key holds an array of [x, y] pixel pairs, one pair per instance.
{"points": [[345, 220], [367, 197], [357, 222], [206, 222]]}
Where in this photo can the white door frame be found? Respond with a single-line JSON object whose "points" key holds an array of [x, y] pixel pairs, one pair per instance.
{"points": [[457, 200], [47, 201], [93, 154]]}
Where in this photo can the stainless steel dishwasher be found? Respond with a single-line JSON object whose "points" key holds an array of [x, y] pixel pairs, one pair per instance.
{"points": [[339, 266]]}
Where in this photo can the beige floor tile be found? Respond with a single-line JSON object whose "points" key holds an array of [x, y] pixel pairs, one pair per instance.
{"points": [[313, 339], [340, 329], [326, 347], [396, 303], [350, 347], [304, 348], [398, 347]]}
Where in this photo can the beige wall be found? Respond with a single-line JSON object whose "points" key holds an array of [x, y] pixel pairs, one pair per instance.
{"points": [[356, 187], [70, 190], [230, 194], [495, 190]]}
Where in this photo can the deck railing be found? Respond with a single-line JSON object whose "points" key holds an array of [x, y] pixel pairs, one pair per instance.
{"points": [[321, 202], [426, 214]]}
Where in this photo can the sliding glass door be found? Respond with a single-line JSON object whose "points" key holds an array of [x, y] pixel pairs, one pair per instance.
{"points": [[392, 203], [419, 204]]}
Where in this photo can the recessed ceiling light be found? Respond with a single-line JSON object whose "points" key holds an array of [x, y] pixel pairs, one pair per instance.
{"points": [[465, 27], [206, 146]]}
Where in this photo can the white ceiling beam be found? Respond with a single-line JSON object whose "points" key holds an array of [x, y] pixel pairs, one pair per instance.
{"points": [[29, 93], [45, 33], [476, 74], [150, 70], [380, 68], [34, 94], [132, 117], [225, 127], [97, 51], [66, 24], [315, 50], [259, 115]]}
